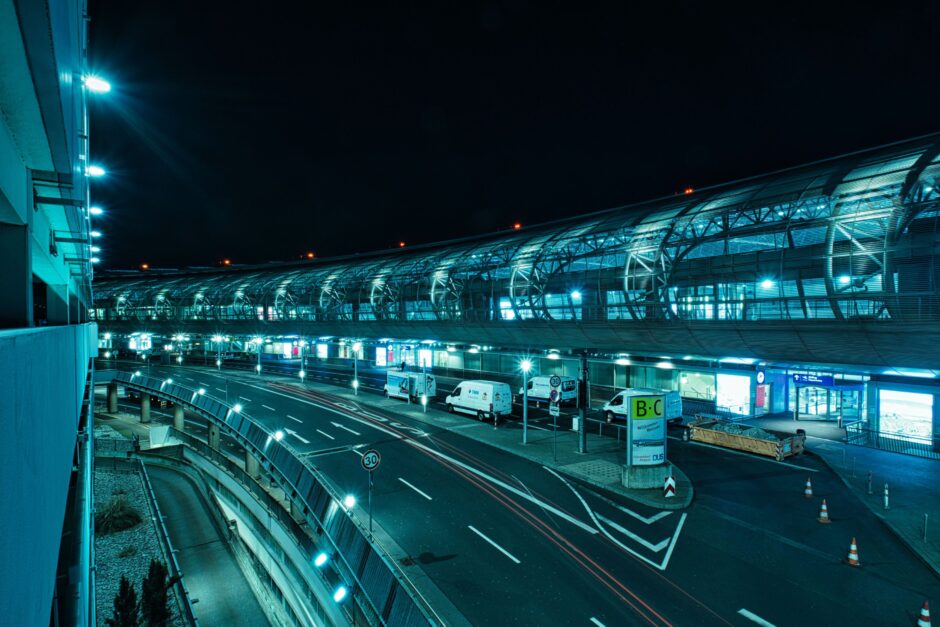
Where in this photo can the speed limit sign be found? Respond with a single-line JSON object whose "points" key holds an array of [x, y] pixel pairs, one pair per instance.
{"points": [[555, 381], [371, 460]]}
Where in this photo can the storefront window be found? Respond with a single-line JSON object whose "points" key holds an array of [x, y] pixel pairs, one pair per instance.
{"points": [[908, 415], [697, 385], [734, 393]]}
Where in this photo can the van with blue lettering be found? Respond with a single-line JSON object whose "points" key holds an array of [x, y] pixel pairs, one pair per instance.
{"points": [[617, 407]]}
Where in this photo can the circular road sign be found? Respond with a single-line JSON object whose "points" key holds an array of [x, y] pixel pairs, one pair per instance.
{"points": [[371, 460], [555, 381], [553, 395]]}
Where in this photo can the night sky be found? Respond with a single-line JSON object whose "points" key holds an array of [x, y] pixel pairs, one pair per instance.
{"points": [[257, 132]]}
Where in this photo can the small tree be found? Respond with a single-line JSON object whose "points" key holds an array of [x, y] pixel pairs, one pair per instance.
{"points": [[125, 606], [156, 586]]}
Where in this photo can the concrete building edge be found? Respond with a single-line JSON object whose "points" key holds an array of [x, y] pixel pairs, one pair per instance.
{"points": [[934, 568]]}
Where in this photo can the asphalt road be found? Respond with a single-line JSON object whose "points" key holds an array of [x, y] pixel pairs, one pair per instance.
{"points": [[510, 542]]}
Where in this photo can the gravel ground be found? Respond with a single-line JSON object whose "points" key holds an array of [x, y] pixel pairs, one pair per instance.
{"points": [[143, 538]]}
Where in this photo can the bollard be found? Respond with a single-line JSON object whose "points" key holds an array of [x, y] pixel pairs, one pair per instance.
{"points": [[925, 527], [886, 496], [869, 482]]}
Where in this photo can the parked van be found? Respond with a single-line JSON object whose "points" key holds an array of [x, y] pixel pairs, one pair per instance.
{"points": [[481, 398], [540, 388], [410, 385], [616, 408]]}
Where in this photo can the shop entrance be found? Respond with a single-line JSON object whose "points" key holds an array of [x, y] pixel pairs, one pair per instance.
{"points": [[825, 403]]}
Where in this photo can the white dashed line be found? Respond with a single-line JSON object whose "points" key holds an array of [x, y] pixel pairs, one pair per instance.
{"points": [[323, 433], [498, 548], [417, 490], [220, 389], [597, 622], [295, 419], [271, 408], [754, 617], [245, 398]]}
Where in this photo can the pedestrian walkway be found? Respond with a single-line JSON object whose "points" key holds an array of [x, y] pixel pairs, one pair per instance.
{"points": [[914, 483], [600, 466]]}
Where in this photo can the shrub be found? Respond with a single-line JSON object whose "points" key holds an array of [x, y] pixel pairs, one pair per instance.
{"points": [[117, 515], [154, 592], [125, 606], [127, 551]]}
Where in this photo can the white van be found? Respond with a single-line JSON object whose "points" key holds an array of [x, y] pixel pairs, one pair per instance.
{"points": [[540, 388], [616, 408], [481, 398], [410, 385]]}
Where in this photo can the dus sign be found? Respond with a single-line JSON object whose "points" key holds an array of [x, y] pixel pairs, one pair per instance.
{"points": [[646, 431]]}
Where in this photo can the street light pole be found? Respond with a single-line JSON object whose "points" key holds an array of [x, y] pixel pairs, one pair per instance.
{"points": [[356, 348], [526, 365]]}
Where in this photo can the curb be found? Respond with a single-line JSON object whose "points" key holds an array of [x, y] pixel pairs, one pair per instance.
{"points": [[910, 547]]}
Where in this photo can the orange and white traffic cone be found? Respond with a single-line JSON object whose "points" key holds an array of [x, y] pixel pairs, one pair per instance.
{"points": [[808, 490], [824, 514], [924, 619], [852, 559]]}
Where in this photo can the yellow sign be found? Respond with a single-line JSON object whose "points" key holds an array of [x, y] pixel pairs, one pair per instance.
{"points": [[647, 407]]}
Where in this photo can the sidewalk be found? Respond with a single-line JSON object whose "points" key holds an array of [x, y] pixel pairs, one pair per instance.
{"points": [[601, 466], [914, 485]]}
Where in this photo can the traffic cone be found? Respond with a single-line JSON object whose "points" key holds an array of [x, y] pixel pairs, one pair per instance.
{"points": [[808, 490], [852, 559], [824, 514], [924, 619]]}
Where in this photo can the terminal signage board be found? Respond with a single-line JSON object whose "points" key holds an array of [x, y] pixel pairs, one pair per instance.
{"points": [[646, 431], [813, 379]]}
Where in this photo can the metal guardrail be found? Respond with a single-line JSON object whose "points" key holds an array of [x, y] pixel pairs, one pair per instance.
{"points": [[906, 444], [373, 577]]}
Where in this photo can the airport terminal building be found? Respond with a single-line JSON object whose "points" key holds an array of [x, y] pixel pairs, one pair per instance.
{"points": [[811, 292]]}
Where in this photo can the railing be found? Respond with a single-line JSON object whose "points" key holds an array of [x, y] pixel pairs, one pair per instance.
{"points": [[919, 446], [372, 574]]}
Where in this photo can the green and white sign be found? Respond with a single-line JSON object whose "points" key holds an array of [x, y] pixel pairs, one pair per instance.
{"points": [[646, 431]]}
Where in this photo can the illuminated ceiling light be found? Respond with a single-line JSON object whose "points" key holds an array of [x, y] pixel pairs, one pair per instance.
{"points": [[474, 350], [95, 211], [95, 171], [666, 365], [321, 559], [96, 84], [576, 295], [553, 356], [94, 260], [340, 594], [844, 280], [107, 336], [622, 361], [767, 284], [95, 249], [95, 233], [216, 338]]}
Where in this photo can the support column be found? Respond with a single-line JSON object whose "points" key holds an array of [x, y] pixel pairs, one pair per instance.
{"points": [[112, 398], [179, 418], [214, 436], [297, 511], [57, 304], [144, 407], [252, 465]]}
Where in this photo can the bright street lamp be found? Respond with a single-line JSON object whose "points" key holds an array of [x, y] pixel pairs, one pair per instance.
{"points": [[278, 435], [95, 211], [238, 408], [95, 171], [321, 559], [340, 594], [96, 84], [95, 233], [349, 501]]}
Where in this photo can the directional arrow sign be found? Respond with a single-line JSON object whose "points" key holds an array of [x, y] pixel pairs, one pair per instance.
{"points": [[339, 426], [294, 433]]}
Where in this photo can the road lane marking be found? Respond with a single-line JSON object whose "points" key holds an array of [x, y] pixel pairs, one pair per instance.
{"points": [[416, 490], [647, 520], [339, 426], [776, 536], [296, 419], [754, 617], [245, 399], [324, 433], [498, 548], [415, 443], [266, 407], [655, 548], [675, 538], [597, 622], [607, 534], [296, 435], [220, 389], [205, 385]]}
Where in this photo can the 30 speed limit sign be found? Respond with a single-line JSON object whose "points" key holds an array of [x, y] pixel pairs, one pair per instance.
{"points": [[371, 460]]}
